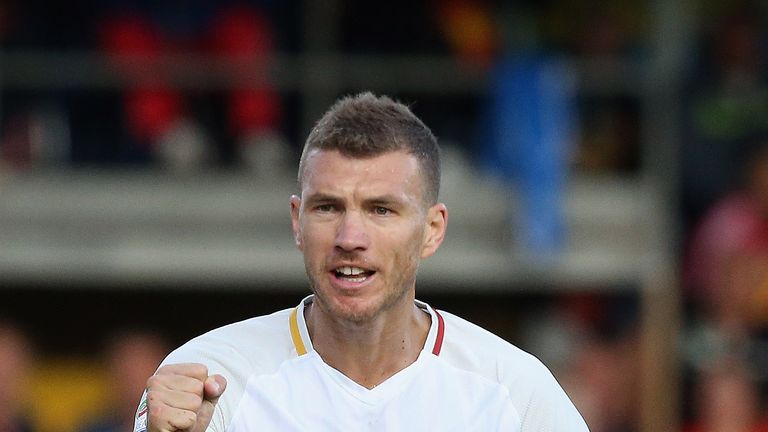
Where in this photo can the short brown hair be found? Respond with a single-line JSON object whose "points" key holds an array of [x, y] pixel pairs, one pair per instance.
{"points": [[366, 125]]}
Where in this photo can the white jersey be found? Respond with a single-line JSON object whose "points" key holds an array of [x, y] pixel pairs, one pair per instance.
{"points": [[465, 379]]}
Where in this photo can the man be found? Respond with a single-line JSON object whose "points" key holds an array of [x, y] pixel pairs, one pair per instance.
{"points": [[360, 353]]}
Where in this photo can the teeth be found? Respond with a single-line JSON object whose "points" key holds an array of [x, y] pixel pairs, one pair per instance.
{"points": [[350, 271], [357, 279]]}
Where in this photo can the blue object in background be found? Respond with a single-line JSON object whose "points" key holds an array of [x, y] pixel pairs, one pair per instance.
{"points": [[531, 119]]}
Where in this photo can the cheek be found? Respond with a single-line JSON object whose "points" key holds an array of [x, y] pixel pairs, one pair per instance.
{"points": [[314, 241], [408, 252], [309, 243]]}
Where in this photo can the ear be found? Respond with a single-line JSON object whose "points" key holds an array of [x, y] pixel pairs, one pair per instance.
{"points": [[295, 226], [437, 223]]}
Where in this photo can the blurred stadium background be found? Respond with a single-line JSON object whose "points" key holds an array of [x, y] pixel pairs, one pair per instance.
{"points": [[148, 149]]}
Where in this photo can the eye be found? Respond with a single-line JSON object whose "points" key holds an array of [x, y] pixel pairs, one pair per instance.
{"points": [[325, 208], [382, 211]]}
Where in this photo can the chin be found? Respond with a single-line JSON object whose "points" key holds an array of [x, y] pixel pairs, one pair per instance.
{"points": [[351, 309]]}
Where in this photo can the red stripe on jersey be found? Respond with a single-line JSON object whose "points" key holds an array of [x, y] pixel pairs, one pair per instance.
{"points": [[440, 334]]}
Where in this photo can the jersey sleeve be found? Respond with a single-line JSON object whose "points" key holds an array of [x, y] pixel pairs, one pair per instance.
{"points": [[544, 407]]}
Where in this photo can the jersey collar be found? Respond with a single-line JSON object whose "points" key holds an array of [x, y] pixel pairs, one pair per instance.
{"points": [[303, 344]]}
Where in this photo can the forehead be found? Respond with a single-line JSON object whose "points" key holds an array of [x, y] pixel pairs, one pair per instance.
{"points": [[396, 171]]}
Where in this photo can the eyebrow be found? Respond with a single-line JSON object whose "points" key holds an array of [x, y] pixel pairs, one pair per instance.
{"points": [[386, 199], [321, 197]]}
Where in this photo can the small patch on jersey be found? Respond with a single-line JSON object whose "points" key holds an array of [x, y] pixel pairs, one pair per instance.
{"points": [[140, 424]]}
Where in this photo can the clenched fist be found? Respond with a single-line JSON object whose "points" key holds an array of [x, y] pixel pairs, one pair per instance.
{"points": [[181, 397]]}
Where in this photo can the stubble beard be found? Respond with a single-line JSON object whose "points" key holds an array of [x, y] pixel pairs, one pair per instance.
{"points": [[354, 315]]}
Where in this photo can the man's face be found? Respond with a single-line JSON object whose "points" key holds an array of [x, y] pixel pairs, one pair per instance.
{"points": [[363, 227]]}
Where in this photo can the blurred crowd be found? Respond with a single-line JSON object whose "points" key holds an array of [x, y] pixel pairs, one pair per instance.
{"points": [[725, 251], [97, 394], [148, 118], [591, 341]]}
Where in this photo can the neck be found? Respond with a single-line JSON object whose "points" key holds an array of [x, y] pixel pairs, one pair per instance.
{"points": [[369, 352]]}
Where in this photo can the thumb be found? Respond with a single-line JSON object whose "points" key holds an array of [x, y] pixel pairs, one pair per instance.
{"points": [[213, 387]]}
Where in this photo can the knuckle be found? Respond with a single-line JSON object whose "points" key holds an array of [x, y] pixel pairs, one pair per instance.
{"points": [[198, 387], [198, 369], [189, 401], [154, 402], [196, 402], [155, 414], [165, 369], [152, 382]]}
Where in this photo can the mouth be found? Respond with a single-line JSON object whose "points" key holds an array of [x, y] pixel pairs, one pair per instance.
{"points": [[352, 274]]}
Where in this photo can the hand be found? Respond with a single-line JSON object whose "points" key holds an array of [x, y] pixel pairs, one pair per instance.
{"points": [[181, 397]]}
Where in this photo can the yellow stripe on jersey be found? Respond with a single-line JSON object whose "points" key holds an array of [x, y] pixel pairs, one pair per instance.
{"points": [[295, 335]]}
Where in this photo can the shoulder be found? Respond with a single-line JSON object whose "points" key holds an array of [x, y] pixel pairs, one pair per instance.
{"points": [[534, 391], [256, 342], [473, 347]]}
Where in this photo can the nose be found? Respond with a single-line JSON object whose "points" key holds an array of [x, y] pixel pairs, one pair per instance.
{"points": [[351, 234]]}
